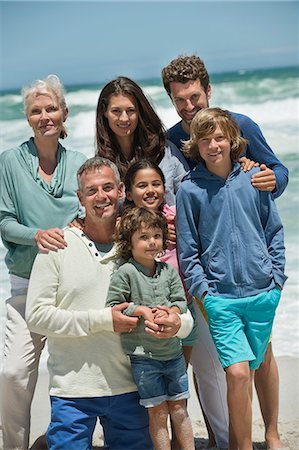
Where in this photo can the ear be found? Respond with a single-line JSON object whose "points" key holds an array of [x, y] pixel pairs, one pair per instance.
{"points": [[129, 196], [80, 197], [65, 114], [209, 91], [121, 190]]}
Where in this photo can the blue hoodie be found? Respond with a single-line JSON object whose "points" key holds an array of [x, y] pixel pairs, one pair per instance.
{"points": [[230, 239]]}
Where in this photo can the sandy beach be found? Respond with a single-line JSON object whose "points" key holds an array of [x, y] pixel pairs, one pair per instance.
{"points": [[288, 420]]}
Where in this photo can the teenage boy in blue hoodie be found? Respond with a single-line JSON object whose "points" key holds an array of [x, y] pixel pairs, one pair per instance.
{"points": [[232, 256]]}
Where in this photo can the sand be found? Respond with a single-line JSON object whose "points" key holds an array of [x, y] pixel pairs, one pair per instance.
{"points": [[288, 417]]}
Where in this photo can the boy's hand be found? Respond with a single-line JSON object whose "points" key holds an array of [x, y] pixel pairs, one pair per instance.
{"points": [[264, 180], [159, 313]]}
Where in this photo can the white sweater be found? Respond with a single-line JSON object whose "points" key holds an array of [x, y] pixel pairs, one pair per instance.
{"points": [[66, 302]]}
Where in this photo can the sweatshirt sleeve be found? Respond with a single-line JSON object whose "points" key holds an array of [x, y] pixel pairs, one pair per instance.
{"points": [[274, 234], [259, 150], [43, 314], [188, 243]]}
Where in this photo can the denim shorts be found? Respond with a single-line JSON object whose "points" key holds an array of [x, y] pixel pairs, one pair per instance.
{"points": [[192, 338], [241, 327], [160, 381], [124, 421]]}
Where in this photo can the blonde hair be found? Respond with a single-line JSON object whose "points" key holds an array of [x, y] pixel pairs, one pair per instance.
{"points": [[49, 85], [205, 123]]}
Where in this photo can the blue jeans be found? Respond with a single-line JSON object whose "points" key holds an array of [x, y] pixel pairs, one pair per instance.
{"points": [[160, 381], [124, 422]]}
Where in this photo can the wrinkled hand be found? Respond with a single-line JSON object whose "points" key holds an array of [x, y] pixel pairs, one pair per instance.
{"points": [[51, 239], [247, 164], [264, 180], [77, 223], [164, 327], [121, 322]]}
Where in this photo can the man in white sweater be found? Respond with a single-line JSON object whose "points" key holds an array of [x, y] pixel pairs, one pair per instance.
{"points": [[90, 376]]}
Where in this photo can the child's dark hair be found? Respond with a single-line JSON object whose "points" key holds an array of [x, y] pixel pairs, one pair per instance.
{"points": [[131, 173], [132, 220]]}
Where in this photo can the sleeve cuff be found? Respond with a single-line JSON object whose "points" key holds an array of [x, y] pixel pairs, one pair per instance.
{"points": [[186, 325]]}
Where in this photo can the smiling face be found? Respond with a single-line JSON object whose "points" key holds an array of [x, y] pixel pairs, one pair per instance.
{"points": [[122, 115], [100, 194], [146, 243], [215, 151], [45, 116], [147, 189], [189, 98]]}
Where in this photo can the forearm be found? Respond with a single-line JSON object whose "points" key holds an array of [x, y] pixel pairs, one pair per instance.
{"points": [[12, 231]]}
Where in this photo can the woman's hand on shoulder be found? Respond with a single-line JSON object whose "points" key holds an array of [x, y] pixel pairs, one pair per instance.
{"points": [[51, 239]]}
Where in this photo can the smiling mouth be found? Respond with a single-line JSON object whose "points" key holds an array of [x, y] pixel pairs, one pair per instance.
{"points": [[102, 206]]}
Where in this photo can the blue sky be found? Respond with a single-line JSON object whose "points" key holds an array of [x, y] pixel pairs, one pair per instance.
{"points": [[85, 42]]}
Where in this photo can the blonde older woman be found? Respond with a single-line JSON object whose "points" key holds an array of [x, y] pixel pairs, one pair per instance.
{"points": [[37, 199]]}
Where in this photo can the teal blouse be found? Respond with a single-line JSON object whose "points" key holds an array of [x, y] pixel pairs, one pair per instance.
{"points": [[28, 203]]}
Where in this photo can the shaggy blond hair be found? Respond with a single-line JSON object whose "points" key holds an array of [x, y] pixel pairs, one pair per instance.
{"points": [[205, 123]]}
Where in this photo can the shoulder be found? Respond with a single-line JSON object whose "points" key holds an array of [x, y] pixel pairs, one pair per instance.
{"points": [[10, 155], [174, 130], [244, 122], [77, 158]]}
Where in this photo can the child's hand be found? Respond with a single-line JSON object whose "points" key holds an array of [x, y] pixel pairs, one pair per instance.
{"points": [[159, 313]]}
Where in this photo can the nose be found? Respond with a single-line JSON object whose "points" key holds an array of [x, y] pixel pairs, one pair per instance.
{"points": [[213, 143], [188, 105], [124, 116], [100, 194], [44, 114]]}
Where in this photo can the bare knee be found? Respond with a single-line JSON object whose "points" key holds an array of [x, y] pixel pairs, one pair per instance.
{"points": [[238, 374], [177, 409]]}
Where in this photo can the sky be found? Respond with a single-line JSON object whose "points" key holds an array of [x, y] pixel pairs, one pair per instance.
{"points": [[92, 42]]}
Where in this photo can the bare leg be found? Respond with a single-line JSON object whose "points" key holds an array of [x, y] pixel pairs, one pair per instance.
{"points": [[267, 386], [239, 403], [187, 350], [182, 424], [158, 416]]}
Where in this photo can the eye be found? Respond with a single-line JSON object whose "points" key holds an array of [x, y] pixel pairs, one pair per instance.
{"points": [[34, 111], [158, 236], [141, 185], [108, 187], [52, 108]]}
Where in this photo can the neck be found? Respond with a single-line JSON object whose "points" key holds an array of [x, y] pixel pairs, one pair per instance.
{"points": [[126, 145], [222, 171], [186, 126], [46, 148], [100, 232]]}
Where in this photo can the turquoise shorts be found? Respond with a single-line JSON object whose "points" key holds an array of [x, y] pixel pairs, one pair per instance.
{"points": [[192, 338], [241, 327]]}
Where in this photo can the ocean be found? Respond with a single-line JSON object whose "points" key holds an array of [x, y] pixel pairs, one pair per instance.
{"points": [[270, 97]]}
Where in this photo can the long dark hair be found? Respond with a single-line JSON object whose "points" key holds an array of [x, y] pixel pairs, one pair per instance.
{"points": [[149, 136]]}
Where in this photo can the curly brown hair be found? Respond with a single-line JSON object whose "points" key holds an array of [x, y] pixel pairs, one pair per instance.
{"points": [[149, 136], [132, 219], [183, 69], [205, 123]]}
